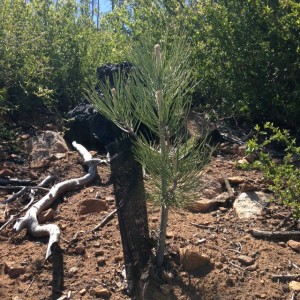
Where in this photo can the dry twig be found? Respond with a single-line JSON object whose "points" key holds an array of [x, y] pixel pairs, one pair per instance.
{"points": [[105, 220]]}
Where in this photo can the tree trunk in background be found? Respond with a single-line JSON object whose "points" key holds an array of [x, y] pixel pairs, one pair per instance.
{"points": [[127, 178]]}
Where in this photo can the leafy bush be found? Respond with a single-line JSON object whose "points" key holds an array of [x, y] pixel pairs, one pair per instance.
{"points": [[283, 173], [48, 51], [245, 53]]}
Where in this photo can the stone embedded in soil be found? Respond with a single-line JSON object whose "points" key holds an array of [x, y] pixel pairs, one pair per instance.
{"points": [[294, 286], [229, 282], [250, 205], [46, 215], [248, 187], [203, 205], [191, 259], [246, 260], [82, 292], [242, 150], [252, 268], [99, 253], [89, 206], [13, 270], [79, 249], [236, 179], [166, 289], [6, 172], [101, 292], [170, 234], [101, 262], [73, 270], [294, 245]]}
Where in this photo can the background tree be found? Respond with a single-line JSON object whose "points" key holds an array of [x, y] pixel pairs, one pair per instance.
{"points": [[156, 94]]}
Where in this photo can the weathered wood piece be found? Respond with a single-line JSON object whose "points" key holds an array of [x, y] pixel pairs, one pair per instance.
{"points": [[285, 277], [105, 220], [275, 234], [30, 218], [13, 181], [127, 178]]}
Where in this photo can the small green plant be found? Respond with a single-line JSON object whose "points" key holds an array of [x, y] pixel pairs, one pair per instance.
{"points": [[283, 172], [156, 95]]}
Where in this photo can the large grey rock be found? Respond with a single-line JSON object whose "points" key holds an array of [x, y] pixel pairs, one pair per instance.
{"points": [[250, 204], [46, 144]]}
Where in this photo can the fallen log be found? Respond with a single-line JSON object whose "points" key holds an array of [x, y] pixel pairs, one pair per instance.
{"points": [[30, 219], [285, 278], [274, 235], [5, 181]]}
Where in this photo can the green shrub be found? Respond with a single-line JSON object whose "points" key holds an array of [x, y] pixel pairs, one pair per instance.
{"points": [[283, 172], [48, 51]]}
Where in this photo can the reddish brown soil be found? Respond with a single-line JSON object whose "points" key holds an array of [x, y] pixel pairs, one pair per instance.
{"points": [[224, 237]]}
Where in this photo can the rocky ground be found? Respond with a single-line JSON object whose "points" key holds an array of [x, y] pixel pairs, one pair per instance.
{"points": [[212, 253]]}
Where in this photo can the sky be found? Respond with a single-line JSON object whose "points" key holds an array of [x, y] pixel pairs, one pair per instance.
{"points": [[105, 5]]}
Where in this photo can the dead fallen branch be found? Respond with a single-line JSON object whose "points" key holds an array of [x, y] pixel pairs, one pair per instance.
{"points": [[202, 226], [30, 218], [105, 220], [5, 181], [18, 187], [16, 195], [228, 187], [285, 278], [13, 217], [25, 189], [273, 235]]}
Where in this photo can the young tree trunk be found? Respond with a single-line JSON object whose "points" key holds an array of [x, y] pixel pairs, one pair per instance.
{"points": [[127, 178]]}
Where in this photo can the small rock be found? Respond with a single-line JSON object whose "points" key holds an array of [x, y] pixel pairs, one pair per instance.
{"points": [[63, 226], [82, 292], [73, 270], [46, 215], [118, 258], [294, 286], [294, 245], [101, 262], [229, 282], [236, 179], [223, 209], [243, 161], [219, 265], [6, 172], [168, 277], [13, 270], [39, 163], [89, 206], [246, 260], [169, 234], [203, 205], [191, 259], [248, 187], [252, 268], [242, 150], [99, 253], [166, 289], [79, 249], [101, 292], [24, 137]]}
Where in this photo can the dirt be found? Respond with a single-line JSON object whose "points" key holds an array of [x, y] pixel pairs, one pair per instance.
{"points": [[93, 262]]}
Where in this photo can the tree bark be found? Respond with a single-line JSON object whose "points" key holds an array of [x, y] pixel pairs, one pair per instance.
{"points": [[127, 178]]}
